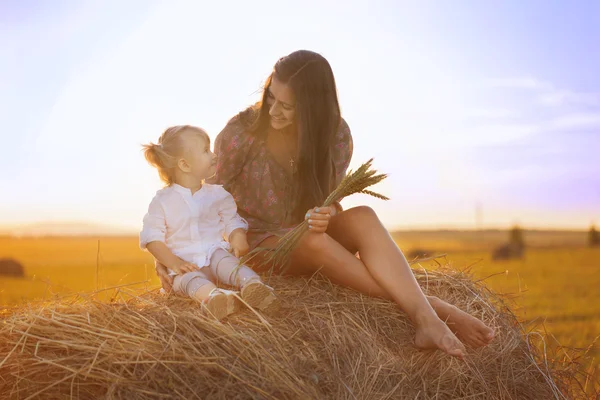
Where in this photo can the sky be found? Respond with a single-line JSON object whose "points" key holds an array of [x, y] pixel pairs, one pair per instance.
{"points": [[464, 104]]}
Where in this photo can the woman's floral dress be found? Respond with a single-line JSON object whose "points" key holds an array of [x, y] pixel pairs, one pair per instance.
{"points": [[261, 187]]}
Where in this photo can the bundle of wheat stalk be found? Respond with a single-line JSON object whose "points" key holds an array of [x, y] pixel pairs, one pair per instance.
{"points": [[327, 342], [354, 182]]}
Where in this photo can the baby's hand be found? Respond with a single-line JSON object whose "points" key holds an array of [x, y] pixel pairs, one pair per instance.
{"points": [[239, 243], [181, 267]]}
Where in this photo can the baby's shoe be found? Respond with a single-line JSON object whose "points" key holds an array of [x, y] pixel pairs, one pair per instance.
{"points": [[260, 296], [221, 303]]}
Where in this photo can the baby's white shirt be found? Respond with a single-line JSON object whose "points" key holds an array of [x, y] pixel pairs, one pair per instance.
{"points": [[192, 226]]}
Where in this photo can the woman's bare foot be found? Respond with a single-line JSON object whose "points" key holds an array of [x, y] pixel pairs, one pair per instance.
{"points": [[432, 333], [470, 330]]}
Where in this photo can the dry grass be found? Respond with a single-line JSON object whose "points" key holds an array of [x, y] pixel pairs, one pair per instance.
{"points": [[328, 342]]}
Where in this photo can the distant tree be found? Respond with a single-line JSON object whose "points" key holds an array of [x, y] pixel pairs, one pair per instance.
{"points": [[516, 236], [593, 237]]}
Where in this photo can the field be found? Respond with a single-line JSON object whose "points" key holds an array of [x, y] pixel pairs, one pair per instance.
{"points": [[553, 289]]}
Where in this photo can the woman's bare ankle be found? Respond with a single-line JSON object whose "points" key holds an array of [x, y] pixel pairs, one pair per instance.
{"points": [[424, 316]]}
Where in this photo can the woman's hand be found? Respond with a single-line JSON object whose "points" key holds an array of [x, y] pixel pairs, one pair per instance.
{"points": [[166, 280], [318, 218]]}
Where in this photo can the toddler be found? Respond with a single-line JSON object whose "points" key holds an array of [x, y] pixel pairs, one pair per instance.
{"points": [[192, 226]]}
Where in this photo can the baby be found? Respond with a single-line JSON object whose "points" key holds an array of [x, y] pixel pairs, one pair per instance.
{"points": [[191, 227]]}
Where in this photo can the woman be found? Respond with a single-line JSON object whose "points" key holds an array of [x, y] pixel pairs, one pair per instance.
{"points": [[281, 157]]}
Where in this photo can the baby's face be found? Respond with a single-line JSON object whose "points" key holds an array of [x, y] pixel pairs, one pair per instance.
{"points": [[201, 160]]}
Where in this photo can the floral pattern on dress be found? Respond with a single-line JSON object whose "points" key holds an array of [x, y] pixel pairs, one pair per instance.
{"points": [[263, 189]]}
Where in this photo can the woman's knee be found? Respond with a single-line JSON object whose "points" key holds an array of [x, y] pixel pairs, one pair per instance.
{"points": [[315, 243], [361, 212], [355, 225], [311, 253], [352, 222]]}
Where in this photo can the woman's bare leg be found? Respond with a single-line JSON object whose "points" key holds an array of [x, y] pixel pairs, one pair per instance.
{"points": [[359, 229], [336, 260], [318, 251], [308, 257]]}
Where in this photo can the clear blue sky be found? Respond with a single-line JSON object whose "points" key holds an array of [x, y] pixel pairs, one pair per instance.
{"points": [[461, 102]]}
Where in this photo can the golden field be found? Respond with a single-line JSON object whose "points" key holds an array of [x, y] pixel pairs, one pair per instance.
{"points": [[554, 288]]}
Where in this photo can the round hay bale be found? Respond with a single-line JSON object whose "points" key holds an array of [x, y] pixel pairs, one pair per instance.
{"points": [[327, 342], [417, 253], [11, 267], [508, 251]]}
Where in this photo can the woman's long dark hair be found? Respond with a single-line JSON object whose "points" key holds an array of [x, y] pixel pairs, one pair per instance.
{"points": [[317, 119]]}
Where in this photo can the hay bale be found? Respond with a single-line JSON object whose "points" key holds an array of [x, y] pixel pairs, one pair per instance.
{"points": [[414, 254], [11, 267], [508, 251], [514, 249], [327, 343]]}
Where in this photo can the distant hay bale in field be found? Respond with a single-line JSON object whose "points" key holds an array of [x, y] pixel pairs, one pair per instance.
{"points": [[414, 254], [328, 343], [508, 251], [11, 267], [515, 248]]}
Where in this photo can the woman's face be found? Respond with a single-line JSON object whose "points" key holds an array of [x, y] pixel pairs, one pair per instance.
{"points": [[282, 104]]}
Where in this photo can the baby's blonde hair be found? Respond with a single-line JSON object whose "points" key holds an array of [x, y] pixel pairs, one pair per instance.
{"points": [[165, 154]]}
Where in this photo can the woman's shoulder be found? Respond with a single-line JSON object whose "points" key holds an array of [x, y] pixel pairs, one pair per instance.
{"points": [[344, 123], [344, 128], [237, 128], [343, 147], [343, 134], [233, 128]]}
